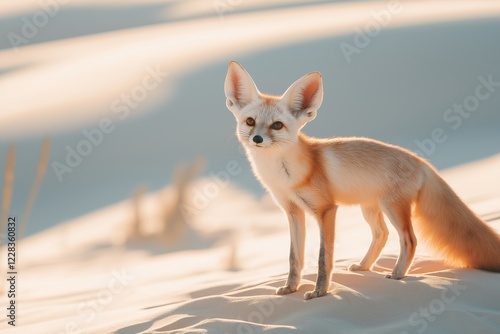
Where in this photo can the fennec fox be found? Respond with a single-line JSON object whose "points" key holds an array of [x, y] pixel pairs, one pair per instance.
{"points": [[306, 174]]}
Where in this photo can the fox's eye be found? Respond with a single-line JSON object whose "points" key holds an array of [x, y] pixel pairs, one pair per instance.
{"points": [[250, 121], [277, 126]]}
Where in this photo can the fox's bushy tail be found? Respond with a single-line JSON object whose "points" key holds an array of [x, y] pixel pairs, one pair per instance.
{"points": [[452, 228]]}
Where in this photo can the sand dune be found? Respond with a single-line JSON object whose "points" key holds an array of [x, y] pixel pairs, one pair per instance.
{"points": [[45, 81], [87, 282]]}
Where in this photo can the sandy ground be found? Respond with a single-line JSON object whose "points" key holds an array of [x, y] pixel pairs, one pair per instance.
{"points": [[220, 274]]}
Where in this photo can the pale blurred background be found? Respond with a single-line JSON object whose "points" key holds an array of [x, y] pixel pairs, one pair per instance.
{"points": [[152, 72]]}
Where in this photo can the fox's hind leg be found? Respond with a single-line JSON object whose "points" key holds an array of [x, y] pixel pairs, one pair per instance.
{"points": [[297, 222], [399, 213], [374, 218]]}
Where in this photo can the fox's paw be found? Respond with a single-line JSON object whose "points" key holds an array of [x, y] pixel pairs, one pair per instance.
{"points": [[285, 290], [314, 294], [357, 267], [395, 276]]}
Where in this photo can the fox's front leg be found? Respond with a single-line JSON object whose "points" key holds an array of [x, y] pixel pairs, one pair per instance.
{"points": [[297, 222], [326, 222]]}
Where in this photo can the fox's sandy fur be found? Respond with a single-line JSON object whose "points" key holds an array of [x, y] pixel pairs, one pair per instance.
{"points": [[306, 174]]}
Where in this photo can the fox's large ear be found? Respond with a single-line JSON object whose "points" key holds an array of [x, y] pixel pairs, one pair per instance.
{"points": [[239, 87], [303, 98]]}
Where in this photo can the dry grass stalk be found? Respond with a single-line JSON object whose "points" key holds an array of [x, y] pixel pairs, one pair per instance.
{"points": [[175, 223], [35, 187], [135, 232]]}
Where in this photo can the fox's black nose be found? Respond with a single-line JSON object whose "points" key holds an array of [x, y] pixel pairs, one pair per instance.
{"points": [[258, 139]]}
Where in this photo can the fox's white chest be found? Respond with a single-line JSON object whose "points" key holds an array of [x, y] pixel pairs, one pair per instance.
{"points": [[279, 174], [273, 174], [286, 178]]}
